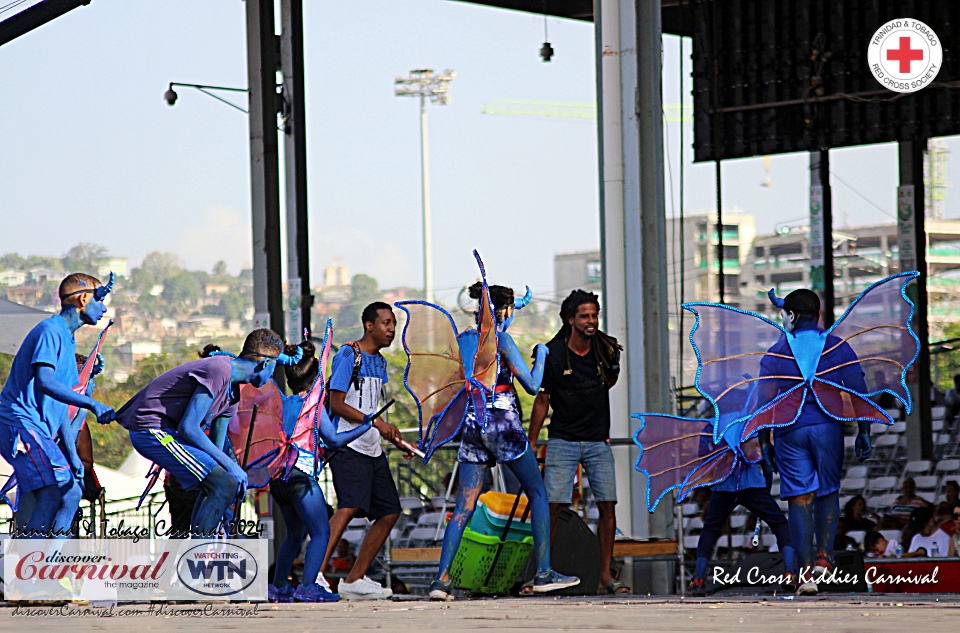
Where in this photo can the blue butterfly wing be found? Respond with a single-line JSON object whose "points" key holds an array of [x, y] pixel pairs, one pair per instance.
{"points": [[733, 349]]}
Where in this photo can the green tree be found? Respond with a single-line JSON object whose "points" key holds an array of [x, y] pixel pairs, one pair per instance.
{"points": [[161, 266], [181, 289], [12, 261], [42, 261], [234, 304], [364, 290], [220, 269], [84, 257]]}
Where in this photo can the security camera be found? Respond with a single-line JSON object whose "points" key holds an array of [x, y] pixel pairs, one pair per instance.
{"points": [[170, 96]]}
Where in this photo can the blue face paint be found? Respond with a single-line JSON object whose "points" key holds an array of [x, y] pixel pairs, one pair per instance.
{"points": [[261, 377]]}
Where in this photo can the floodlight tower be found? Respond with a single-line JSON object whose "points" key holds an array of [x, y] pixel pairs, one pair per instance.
{"points": [[425, 85]]}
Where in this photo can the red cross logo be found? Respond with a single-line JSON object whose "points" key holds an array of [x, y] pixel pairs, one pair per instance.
{"points": [[905, 55]]}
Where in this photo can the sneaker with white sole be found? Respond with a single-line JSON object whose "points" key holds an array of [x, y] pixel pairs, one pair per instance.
{"points": [[363, 589], [808, 588], [441, 591], [551, 581]]}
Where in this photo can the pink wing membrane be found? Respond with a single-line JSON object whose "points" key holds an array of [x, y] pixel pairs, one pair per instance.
{"points": [[303, 432], [707, 473], [268, 447], [435, 372], [876, 329], [671, 451], [87, 371], [845, 405], [782, 412], [730, 347]]}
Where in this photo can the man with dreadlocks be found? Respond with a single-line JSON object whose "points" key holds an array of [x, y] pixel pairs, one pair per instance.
{"points": [[34, 404], [582, 367], [167, 418]]}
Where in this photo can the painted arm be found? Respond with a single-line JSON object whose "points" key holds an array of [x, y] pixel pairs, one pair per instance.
{"points": [[218, 431], [49, 386], [541, 405], [190, 430], [529, 379], [68, 433], [336, 439]]}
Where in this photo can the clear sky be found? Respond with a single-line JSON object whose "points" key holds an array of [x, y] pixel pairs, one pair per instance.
{"points": [[89, 151]]}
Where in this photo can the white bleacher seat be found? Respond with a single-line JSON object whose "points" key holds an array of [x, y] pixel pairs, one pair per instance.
{"points": [[357, 523], [690, 542], [886, 445], [947, 467], [411, 503], [784, 505], [696, 523], [690, 509], [738, 540], [891, 535], [354, 536], [883, 501], [916, 467], [857, 535], [899, 427], [857, 471], [881, 485], [775, 489], [844, 500], [927, 483], [936, 426], [422, 536], [737, 521], [768, 540], [877, 428], [938, 413], [430, 518], [848, 442], [893, 413], [853, 484]]}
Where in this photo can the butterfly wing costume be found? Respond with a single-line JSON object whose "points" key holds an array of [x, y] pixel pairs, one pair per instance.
{"points": [[439, 378], [758, 376]]}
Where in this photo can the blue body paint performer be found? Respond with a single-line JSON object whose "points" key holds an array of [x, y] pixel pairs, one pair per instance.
{"points": [[167, 418], [298, 494], [34, 405], [809, 383], [480, 402]]}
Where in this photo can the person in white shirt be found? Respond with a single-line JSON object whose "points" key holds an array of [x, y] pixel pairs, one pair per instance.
{"points": [[930, 538]]}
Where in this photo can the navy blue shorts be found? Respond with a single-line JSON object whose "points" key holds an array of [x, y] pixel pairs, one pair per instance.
{"points": [[810, 459], [364, 483], [187, 463], [37, 460], [501, 440]]}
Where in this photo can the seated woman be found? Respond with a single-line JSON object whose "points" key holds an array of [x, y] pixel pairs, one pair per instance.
{"points": [[500, 439], [300, 497], [855, 515]]}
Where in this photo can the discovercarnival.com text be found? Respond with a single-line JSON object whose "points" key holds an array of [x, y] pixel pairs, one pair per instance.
{"points": [[161, 610]]}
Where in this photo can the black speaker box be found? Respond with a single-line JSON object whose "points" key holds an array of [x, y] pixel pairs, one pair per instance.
{"points": [[576, 552]]}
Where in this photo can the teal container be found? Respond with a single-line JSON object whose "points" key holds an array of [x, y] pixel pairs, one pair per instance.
{"points": [[486, 523]]}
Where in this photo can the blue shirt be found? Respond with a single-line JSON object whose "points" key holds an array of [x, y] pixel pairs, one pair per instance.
{"points": [[21, 404], [364, 397], [850, 376], [745, 475]]}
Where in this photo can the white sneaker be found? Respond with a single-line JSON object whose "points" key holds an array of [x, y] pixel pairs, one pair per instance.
{"points": [[323, 583], [363, 589], [808, 588]]}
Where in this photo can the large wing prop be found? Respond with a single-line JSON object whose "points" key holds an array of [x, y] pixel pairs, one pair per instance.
{"points": [[306, 433], [486, 363], [434, 373], [268, 444], [86, 372], [730, 345], [679, 453], [878, 328]]}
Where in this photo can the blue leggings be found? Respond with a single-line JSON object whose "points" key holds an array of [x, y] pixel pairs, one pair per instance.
{"points": [[527, 471], [304, 511], [50, 509]]}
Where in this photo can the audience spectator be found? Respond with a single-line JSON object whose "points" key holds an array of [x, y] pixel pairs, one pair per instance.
{"points": [[955, 538], [341, 563], [885, 399], [855, 515], [875, 545], [952, 402], [946, 507], [928, 536], [908, 495]]}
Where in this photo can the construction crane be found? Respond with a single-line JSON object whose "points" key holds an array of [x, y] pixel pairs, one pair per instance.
{"points": [[569, 110]]}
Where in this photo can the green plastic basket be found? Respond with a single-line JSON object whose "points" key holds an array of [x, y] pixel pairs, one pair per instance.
{"points": [[472, 563]]}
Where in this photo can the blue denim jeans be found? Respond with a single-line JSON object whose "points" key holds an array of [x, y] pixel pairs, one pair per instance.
{"points": [[561, 466]]}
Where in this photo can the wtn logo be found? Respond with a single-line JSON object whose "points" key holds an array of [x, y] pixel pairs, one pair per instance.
{"points": [[223, 568]]}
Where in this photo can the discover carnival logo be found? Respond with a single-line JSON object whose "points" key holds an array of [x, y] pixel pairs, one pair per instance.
{"points": [[905, 55], [217, 569]]}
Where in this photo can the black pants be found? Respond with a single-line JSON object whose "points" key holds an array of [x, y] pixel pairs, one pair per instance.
{"points": [[756, 500], [180, 502]]}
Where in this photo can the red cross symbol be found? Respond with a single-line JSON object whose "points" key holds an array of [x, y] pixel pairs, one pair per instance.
{"points": [[905, 54]]}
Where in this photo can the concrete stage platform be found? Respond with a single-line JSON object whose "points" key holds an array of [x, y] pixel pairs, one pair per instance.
{"points": [[869, 613]]}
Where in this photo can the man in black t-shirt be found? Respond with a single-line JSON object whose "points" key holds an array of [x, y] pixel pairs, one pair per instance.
{"points": [[582, 366]]}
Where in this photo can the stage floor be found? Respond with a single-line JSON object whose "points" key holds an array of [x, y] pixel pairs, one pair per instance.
{"points": [[872, 613]]}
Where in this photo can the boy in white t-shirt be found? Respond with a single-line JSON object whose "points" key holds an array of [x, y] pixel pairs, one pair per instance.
{"points": [[930, 538]]}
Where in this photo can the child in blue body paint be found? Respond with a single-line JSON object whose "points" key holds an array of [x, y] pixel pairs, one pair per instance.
{"points": [[809, 452], [34, 402], [501, 440], [300, 497]]}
